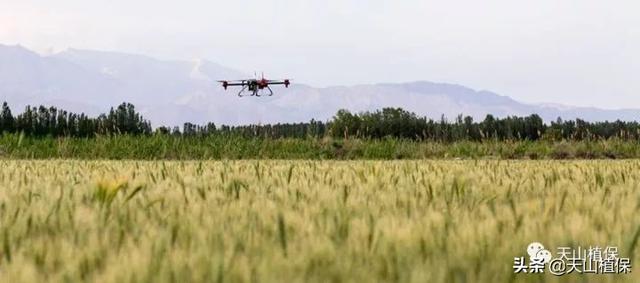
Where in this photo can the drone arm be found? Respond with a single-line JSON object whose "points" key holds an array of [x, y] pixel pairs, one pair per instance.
{"points": [[226, 84], [286, 83], [235, 84]]}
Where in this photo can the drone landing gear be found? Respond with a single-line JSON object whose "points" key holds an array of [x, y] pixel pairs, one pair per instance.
{"points": [[241, 91], [255, 92]]}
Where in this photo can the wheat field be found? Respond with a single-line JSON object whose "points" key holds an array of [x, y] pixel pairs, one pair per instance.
{"points": [[308, 221]]}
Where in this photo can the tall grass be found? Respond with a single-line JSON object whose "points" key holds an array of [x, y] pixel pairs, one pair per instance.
{"points": [[234, 147]]}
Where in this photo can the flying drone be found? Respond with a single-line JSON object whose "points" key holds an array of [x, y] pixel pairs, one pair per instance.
{"points": [[254, 87]]}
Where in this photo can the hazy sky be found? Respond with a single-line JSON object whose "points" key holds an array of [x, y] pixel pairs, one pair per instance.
{"points": [[578, 52]]}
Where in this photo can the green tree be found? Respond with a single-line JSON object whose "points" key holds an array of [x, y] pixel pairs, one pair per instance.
{"points": [[7, 122]]}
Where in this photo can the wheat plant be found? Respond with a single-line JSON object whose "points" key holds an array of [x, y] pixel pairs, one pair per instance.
{"points": [[308, 221]]}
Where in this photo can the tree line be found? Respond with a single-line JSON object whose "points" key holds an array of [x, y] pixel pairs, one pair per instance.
{"points": [[388, 122], [398, 123], [50, 121]]}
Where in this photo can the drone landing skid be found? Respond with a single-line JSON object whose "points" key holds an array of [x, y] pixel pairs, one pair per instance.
{"points": [[241, 91], [256, 92]]}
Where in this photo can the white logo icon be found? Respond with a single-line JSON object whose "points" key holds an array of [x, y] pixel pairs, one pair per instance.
{"points": [[537, 252]]}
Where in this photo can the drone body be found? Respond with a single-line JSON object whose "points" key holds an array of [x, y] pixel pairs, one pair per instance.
{"points": [[254, 87]]}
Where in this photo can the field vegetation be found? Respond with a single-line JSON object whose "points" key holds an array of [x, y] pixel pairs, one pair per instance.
{"points": [[308, 221], [122, 133], [172, 147]]}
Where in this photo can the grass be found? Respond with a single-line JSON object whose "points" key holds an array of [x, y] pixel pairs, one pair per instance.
{"points": [[159, 147], [307, 221]]}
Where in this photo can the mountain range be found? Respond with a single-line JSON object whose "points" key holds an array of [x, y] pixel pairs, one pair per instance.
{"points": [[173, 92]]}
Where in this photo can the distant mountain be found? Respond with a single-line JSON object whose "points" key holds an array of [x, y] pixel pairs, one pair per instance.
{"points": [[174, 92]]}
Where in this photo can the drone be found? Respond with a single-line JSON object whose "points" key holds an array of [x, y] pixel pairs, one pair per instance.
{"points": [[255, 87]]}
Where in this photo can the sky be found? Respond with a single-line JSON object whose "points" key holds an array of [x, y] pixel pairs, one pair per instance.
{"points": [[575, 52]]}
